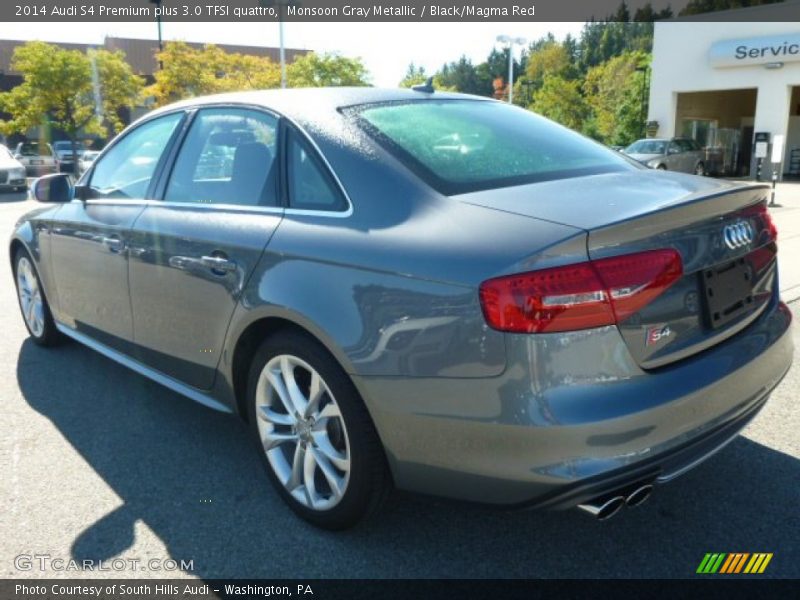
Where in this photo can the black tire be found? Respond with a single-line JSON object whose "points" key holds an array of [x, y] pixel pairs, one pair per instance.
{"points": [[369, 481], [50, 335], [700, 169], [661, 168]]}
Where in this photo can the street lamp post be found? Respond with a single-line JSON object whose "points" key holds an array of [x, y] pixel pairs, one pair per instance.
{"points": [[510, 42], [643, 104], [279, 4], [158, 21]]}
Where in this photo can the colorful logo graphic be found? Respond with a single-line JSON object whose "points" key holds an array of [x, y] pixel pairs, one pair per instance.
{"points": [[735, 562]]}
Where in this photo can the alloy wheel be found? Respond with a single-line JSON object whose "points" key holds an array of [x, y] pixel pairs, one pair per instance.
{"points": [[30, 297], [302, 432]]}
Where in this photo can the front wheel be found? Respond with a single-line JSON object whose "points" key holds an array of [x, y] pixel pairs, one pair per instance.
{"points": [[33, 303], [314, 434], [661, 167], [700, 169]]}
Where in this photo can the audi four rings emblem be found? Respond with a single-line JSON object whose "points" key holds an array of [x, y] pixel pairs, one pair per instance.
{"points": [[738, 234]]}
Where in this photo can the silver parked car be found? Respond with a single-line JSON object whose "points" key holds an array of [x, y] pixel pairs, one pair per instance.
{"points": [[86, 160], [675, 154], [65, 156], [12, 172], [428, 290], [38, 158]]}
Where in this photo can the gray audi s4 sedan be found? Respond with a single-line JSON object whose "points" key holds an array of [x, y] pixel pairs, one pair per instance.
{"points": [[414, 289]]}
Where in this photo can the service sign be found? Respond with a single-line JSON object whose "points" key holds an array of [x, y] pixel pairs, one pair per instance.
{"points": [[755, 51]]}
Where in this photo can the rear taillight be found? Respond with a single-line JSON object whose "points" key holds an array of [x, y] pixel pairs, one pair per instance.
{"points": [[769, 224], [761, 211], [579, 296]]}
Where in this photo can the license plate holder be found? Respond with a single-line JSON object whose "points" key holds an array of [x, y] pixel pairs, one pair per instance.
{"points": [[728, 292], [37, 162]]}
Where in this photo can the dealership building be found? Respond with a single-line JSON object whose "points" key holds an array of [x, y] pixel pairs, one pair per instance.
{"points": [[731, 85]]}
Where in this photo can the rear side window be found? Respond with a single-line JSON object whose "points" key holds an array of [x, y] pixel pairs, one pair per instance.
{"points": [[228, 157], [310, 185], [460, 146]]}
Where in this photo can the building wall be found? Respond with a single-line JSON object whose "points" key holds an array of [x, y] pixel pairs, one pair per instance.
{"points": [[681, 64]]}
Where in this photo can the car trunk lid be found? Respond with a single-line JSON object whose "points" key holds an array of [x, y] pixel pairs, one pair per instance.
{"points": [[721, 230]]}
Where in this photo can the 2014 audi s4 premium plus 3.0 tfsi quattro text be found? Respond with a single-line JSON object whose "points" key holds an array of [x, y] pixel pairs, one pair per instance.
{"points": [[410, 288]]}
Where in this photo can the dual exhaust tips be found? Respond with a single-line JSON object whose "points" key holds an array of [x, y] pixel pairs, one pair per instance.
{"points": [[607, 506]]}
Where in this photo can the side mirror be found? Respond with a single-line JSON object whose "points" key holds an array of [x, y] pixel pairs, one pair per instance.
{"points": [[56, 188]]}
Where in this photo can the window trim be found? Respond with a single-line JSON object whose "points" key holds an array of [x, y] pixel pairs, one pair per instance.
{"points": [[323, 168], [155, 195]]}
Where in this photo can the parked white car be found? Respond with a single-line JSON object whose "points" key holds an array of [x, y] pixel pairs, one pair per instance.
{"points": [[86, 160], [38, 158], [12, 172]]}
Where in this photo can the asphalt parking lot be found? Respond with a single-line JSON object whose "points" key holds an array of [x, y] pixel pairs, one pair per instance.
{"points": [[100, 463]]}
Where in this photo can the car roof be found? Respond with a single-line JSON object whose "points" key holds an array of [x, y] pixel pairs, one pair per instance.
{"points": [[310, 104]]}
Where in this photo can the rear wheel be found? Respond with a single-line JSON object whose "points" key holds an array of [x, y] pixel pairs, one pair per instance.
{"points": [[33, 303], [316, 439], [661, 167], [700, 169]]}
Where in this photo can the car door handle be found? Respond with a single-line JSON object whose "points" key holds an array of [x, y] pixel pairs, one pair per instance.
{"points": [[114, 244], [218, 264]]}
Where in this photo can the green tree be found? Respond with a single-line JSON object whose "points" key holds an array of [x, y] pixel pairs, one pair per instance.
{"points": [[189, 71], [462, 76], [561, 100], [58, 89], [118, 86], [614, 90], [317, 70], [186, 72], [414, 76], [247, 72]]}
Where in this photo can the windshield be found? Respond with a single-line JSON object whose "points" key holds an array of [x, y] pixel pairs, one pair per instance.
{"points": [[66, 145], [647, 147], [5, 152], [460, 146]]}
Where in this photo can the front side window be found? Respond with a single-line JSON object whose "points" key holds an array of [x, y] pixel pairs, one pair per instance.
{"points": [[310, 185], [126, 169], [228, 157], [460, 146]]}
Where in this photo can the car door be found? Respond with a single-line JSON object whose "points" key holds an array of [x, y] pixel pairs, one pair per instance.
{"points": [[192, 253], [673, 157], [90, 235]]}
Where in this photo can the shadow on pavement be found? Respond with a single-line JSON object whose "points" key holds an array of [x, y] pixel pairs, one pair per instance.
{"points": [[164, 455]]}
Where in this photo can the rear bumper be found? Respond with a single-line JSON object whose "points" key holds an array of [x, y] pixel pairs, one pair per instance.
{"points": [[573, 416], [39, 170]]}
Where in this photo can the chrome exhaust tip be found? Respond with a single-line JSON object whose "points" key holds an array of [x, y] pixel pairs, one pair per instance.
{"points": [[639, 495], [603, 508]]}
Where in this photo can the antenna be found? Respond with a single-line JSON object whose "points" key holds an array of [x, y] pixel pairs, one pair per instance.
{"points": [[426, 87]]}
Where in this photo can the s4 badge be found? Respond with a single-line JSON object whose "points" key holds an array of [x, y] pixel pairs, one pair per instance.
{"points": [[656, 334]]}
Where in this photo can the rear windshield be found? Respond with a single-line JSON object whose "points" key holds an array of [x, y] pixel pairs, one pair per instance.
{"points": [[460, 146], [67, 145], [34, 149], [647, 147]]}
